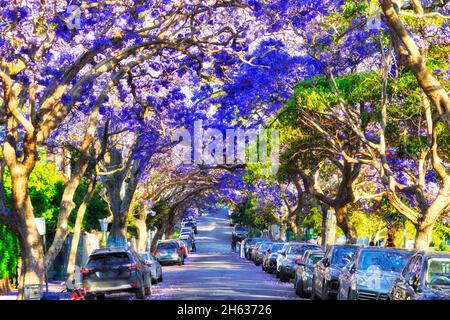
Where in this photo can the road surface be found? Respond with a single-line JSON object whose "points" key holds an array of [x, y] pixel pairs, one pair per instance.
{"points": [[216, 273]]}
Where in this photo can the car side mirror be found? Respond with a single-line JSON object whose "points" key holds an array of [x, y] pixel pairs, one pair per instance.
{"points": [[411, 279]]}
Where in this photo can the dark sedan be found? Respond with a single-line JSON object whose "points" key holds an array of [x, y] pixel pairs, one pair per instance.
{"points": [[305, 271], [371, 274], [327, 270], [293, 256], [169, 251], [270, 259], [425, 277]]}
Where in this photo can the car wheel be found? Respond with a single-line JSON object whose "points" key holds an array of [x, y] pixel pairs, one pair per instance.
{"points": [[298, 288], [283, 277], [269, 270], [324, 294], [160, 279], [140, 292], [313, 290], [182, 261], [154, 281], [148, 289], [278, 274], [88, 296]]}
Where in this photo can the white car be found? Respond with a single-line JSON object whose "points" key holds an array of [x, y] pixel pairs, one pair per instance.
{"points": [[281, 256]]}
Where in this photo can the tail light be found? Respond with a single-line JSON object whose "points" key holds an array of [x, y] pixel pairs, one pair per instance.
{"points": [[298, 260], [133, 267], [86, 289], [156, 252], [149, 265], [86, 270], [133, 284]]}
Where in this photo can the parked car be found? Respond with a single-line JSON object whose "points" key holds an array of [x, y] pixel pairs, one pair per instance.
{"points": [[303, 278], [269, 263], [154, 266], [250, 246], [113, 270], [187, 231], [254, 250], [292, 258], [169, 251], [280, 257], [263, 249], [247, 243], [240, 233], [327, 270], [372, 272], [182, 241], [426, 276], [190, 224]]}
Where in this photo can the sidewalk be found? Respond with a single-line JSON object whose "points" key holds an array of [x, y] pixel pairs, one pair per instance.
{"points": [[53, 287]]}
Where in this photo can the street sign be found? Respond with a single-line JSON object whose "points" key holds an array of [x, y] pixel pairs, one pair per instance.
{"points": [[40, 224]]}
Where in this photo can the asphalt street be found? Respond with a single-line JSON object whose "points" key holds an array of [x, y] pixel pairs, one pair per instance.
{"points": [[214, 272]]}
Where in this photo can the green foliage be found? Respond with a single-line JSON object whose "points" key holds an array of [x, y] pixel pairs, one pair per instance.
{"points": [[441, 233], [9, 253]]}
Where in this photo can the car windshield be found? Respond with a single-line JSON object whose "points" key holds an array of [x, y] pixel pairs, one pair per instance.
{"points": [[277, 247], [240, 228], [166, 245], [256, 240], [295, 250], [108, 259], [391, 261], [438, 272], [145, 256], [314, 258], [185, 230], [264, 246], [342, 256]]}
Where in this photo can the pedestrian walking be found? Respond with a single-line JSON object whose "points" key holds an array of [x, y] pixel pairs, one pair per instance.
{"points": [[233, 244]]}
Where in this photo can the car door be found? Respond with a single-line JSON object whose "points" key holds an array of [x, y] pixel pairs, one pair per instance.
{"points": [[401, 289], [345, 279], [319, 272]]}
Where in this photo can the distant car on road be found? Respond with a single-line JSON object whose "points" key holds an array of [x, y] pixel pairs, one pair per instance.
{"points": [[187, 231], [169, 251], [292, 258], [114, 270], [154, 266], [190, 224], [327, 270], [426, 276], [270, 258], [372, 272], [305, 271], [240, 232]]}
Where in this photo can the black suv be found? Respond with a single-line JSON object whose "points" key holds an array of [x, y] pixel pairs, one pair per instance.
{"points": [[113, 270]]}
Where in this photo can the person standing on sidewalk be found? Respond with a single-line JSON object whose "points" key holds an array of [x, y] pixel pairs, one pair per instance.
{"points": [[233, 244]]}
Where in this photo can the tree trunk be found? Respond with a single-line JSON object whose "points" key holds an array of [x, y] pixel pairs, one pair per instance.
{"points": [[142, 234], [159, 233], [31, 247], [77, 231], [343, 221], [5, 286]]}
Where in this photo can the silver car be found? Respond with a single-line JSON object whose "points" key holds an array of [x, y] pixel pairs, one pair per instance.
{"points": [[154, 266]]}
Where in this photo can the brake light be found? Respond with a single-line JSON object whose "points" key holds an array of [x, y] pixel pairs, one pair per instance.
{"points": [[149, 265], [86, 270], [133, 267], [156, 252], [133, 284], [298, 260]]}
